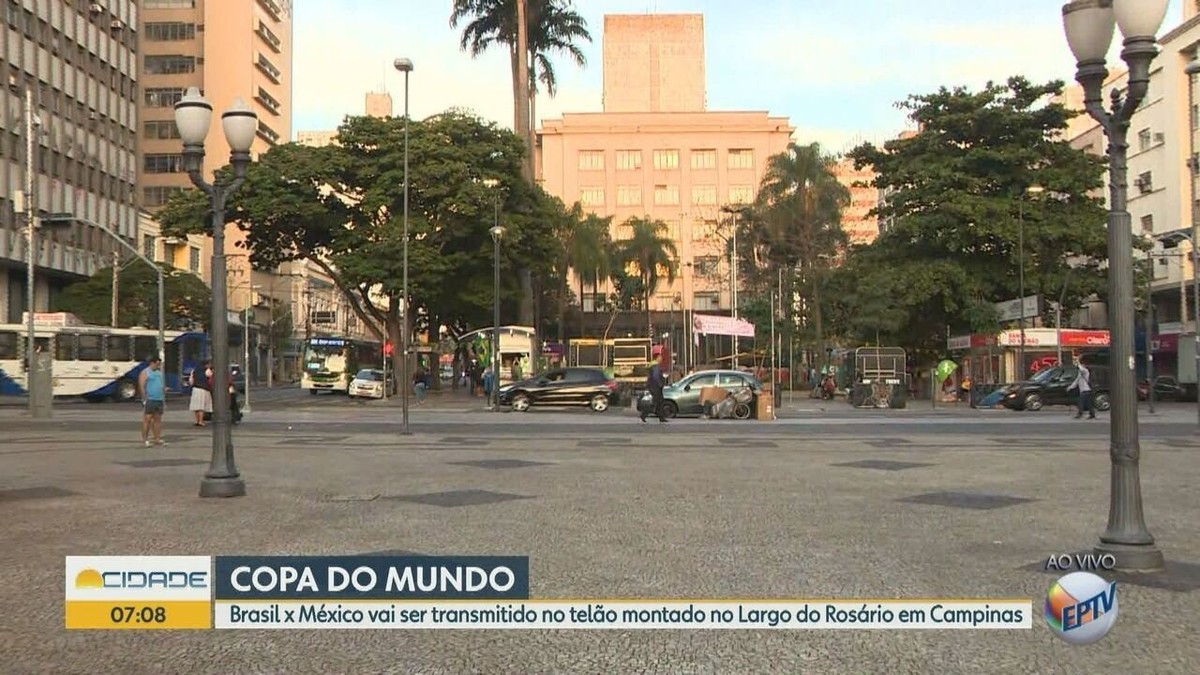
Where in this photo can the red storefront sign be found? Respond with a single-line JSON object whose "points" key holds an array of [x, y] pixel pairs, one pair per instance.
{"points": [[1166, 343], [1085, 338]]}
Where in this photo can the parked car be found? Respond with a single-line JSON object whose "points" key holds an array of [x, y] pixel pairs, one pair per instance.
{"points": [[368, 383], [1166, 388], [564, 386], [683, 397], [1049, 387]]}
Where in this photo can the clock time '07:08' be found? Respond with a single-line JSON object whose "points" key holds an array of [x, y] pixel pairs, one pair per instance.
{"points": [[133, 614]]}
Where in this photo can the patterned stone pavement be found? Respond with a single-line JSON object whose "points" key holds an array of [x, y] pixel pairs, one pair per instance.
{"points": [[622, 511]]}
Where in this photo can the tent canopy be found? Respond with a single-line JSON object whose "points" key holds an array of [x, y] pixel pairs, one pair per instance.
{"points": [[708, 324]]}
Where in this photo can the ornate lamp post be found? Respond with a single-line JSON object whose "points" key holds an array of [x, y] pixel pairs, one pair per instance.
{"points": [[193, 115], [497, 232], [1089, 27], [405, 66]]}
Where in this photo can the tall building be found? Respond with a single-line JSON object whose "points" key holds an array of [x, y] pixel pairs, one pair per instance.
{"points": [[857, 222], [230, 49], [657, 152], [78, 61], [379, 104]]}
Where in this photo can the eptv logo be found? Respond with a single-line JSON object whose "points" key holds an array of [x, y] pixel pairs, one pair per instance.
{"points": [[138, 579], [1081, 607]]}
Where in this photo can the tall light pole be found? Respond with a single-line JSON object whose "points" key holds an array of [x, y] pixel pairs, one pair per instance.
{"points": [[1193, 162], [31, 210], [497, 233], [1089, 26], [246, 348], [405, 66], [193, 115]]}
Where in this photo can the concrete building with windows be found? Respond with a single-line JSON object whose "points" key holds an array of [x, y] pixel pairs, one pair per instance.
{"points": [[230, 49], [656, 151], [78, 60]]}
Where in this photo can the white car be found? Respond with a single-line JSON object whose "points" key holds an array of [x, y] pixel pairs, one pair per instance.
{"points": [[368, 383]]}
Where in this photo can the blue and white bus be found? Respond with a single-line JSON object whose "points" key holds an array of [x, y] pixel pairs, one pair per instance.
{"points": [[95, 362]]}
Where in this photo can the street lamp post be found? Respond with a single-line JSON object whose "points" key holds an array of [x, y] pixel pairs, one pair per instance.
{"points": [[1149, 332], [1192, 69], [193, 115], [246, 349], [1089, 27], [31, 226], [497, 233], [405, 66]]}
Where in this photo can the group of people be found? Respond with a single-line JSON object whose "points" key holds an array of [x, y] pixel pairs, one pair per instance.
{"points": [[152, 392]]}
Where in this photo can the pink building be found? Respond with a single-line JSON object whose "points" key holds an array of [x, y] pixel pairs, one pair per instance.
{"points": [[857, 222], [656, 152]]}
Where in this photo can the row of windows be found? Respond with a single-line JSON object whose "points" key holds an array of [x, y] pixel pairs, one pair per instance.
{"points": [[169, 64], [666, 195], [170, 31], [72, 170], [160, 129], [84, 347], [168, 4], [73, 53], [157, 195], [162, 163], [162, 97], [629, 160]]}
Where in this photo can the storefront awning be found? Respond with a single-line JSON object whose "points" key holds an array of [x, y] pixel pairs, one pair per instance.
{"points": [[707, 324]]}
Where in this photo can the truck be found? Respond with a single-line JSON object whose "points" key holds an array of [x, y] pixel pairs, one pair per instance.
{"points": [[878, 378]]}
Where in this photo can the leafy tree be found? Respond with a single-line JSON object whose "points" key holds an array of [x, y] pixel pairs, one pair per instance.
{"points": [[648, 256], [587, 249], [957, 199], [187, 300]]}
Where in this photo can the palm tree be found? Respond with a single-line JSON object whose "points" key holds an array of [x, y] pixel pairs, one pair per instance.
{"points": [[588, 253], [652, 252], [552, 26], [797, 218]]}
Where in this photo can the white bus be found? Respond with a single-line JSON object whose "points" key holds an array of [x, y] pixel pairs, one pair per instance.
{"points": [[93, 362], [330, 363]]}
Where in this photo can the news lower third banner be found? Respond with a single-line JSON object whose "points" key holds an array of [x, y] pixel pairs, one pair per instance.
{"points": [[462, 592]]}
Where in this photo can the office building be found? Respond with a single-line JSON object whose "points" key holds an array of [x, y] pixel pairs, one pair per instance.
{"points": [[78, 61]]}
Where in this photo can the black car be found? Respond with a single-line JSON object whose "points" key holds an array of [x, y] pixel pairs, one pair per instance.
{"points": [[1166, 388], [565, 386], [1050, 387]]}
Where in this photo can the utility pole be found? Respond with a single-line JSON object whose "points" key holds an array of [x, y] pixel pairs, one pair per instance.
{"points": [[116, 283]]}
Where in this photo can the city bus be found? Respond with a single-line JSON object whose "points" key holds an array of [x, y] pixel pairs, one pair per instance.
{"points": [[94, 362], [330, 363]]}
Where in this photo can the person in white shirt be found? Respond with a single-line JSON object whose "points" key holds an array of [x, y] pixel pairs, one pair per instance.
{"points": [[1083, 384]]}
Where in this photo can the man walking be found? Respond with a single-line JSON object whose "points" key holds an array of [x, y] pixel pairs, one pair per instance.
{"points": [[153, 395], [655, 383], [1083, 384]]}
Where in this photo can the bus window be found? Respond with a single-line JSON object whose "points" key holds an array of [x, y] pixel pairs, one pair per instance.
{"points": [[144, 346], [118, 348], [64, 347], [8, 344], [91, 347]]}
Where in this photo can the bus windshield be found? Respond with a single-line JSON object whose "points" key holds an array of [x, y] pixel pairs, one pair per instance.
{"points": [[329, 357]]}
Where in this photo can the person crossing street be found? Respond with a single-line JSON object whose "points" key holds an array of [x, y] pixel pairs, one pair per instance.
{"points": [[1083, 384], [655, 382]]}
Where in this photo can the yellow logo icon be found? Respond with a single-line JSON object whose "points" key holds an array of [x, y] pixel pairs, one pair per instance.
{"points": [[89, 578]]}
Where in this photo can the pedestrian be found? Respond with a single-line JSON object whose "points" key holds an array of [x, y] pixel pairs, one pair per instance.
{"points": [[655, 382], [1083, 384], [202, 381], [153, 395], [419, 386], [517, 373]]}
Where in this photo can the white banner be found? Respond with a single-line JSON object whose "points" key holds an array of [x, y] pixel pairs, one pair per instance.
{"points": [[933, 614]]}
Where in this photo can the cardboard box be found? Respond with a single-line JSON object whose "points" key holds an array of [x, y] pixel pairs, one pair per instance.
{"points": [[764, 405], [712, 394]]}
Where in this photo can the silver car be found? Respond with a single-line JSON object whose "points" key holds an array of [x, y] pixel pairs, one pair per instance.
{"points": [[683, 397]]}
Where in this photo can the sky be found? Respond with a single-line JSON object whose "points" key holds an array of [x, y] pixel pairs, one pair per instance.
{"points": [[836, 69]]}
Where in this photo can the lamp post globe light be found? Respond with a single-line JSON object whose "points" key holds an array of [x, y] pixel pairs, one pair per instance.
{"points": [[405, 65], [193, 116], [1089, 26], [497, 232]]}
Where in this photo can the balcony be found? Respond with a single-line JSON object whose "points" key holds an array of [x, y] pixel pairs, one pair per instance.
{"points": [[268, 37], [272, 8], [268, 101], [267, 134], [267, 68]]}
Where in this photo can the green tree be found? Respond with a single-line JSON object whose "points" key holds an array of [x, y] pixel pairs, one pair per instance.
{"points": [[648, 255], [587, 249], [957, 200], [187, 300]]}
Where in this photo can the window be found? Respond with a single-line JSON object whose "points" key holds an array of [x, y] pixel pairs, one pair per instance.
{"points": [[732, 380], [145, 345], [666, 159], [157, 195], [162, 97], [703, 380], [270, 38], [591, 160], [592, 196], [119, 348], [1148, 224], [148, 246], [194, 259], [162, 163], [704, 159], [1145, 182], [169, 4], [268, 101], [666, 195], [8, 344], [161, 129], [629, 195], [64, 347], [170, 65], [741, 194], [167, 31], [267, 68], [706, 301], [741, 159], [91, 348], [628, 160], [1143, 140], [704, 230], [267, 133], [704, 195], [707, 265]]}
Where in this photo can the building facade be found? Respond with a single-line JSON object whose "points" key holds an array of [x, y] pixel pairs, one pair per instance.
{"points": [[78, 61], [656, 152], [858, 222], [229, 49]]}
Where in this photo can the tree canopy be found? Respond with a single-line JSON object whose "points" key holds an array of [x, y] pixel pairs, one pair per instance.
{"points": [[187, 300]]}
